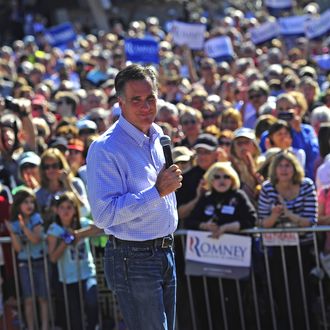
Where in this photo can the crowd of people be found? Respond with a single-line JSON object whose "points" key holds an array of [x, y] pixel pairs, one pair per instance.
{"points": [[251, 134]]}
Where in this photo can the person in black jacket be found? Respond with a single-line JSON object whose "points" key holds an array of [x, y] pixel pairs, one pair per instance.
{"points": [[224, 208]]}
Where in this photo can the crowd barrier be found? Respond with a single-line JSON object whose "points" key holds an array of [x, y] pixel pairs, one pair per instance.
{"points": [[286, 288]]}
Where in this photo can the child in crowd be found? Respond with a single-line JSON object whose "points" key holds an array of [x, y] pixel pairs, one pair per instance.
{"points": [[26, 232], [69, 247]]}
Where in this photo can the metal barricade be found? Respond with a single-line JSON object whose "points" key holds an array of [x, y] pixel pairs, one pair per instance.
{"points": [[285, 275], [285, 289]]}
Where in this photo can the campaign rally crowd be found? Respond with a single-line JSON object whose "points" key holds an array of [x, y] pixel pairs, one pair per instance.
{"points": [[245, 99]]}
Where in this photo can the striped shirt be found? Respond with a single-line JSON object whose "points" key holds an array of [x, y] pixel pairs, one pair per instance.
{"points": [[304, 205], [122, 169]]}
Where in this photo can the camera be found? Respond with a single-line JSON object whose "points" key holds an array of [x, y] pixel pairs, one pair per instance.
{"points": [[285, 115], [11, 104], [67, 237]]}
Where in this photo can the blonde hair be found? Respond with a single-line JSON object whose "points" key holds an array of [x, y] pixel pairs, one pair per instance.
{"points": [[192, 112], [227, 169], [292, 159], [54, 154], [232, 113], [301, 101]]}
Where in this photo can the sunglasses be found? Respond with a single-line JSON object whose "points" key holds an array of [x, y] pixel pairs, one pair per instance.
{"points": [[189, 121], [63, 101], [217, 177], [225, 143], [254, 96], [210, 116], [55, 166]]}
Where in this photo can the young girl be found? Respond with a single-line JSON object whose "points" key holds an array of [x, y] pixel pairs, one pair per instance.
{"points": [[26, 231], [69, 247]]}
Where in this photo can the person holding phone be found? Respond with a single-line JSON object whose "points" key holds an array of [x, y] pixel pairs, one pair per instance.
{"points": [[291, 107]]}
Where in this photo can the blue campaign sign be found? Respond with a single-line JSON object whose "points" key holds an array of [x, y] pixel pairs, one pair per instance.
{"points": [[292, 25], [61, 35], [142, 50]]}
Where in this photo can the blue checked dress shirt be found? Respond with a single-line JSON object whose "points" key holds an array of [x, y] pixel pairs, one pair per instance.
{"points": [[122, 168]]}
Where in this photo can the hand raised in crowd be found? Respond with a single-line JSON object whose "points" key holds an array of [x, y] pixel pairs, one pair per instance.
{"points": [[201, 189], [64, 177], [30, 180], [168, 180], [277, 210], [21, 221]]}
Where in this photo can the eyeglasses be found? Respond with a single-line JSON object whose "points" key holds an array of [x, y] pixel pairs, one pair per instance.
{"points": [[217, 177], [63, 101], [189, 121], [243, 141], [209, 116], [54, 166], [225, 143], [254, 96]]}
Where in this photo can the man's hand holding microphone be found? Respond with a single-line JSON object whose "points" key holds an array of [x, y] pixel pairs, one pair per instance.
{"points": [[170, 177]]}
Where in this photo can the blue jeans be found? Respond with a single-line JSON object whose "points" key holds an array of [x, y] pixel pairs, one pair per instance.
{"points": [[143, 278]]}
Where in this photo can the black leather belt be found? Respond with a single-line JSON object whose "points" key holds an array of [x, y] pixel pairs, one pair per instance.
{"points": [[161, 242]]}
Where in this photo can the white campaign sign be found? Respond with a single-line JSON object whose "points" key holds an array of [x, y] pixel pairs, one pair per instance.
{"points": [[280, 239], [219, 46], [278, 3], [191, 35], [292, 25], [264, 32], [316, 27], [230, 250]]}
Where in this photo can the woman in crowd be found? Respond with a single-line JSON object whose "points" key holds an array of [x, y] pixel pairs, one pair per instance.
{"points": [[223, 209], [191, 121], [288, 199], [245, 157], [56, 178], [280, 136]]}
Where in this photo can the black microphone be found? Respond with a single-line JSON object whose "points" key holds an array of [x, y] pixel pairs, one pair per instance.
{"points": [[165, 141]]}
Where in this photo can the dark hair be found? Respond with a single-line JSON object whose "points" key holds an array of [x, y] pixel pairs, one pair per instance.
{"points": [[19, 198], [134, 72], [324, 139], [279, 124], [70, 197]]}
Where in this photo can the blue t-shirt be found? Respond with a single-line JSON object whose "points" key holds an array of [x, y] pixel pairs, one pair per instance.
{"points": [[68, 267], [35, 250]]}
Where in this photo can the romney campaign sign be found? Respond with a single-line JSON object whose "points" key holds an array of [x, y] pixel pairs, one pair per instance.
{"points": [[318, 27], [142, 50], [61, 35], [188, 34], [228, 256]]}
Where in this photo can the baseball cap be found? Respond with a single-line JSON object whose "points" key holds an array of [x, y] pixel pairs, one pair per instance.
{"points": [[206, 141], [86, 124], [38, 100], [181, 154], [59, 142], [29, 157], [244, 132], [76, 144]]}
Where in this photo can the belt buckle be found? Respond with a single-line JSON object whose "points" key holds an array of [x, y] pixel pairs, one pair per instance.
{"points": [[167, 242]]}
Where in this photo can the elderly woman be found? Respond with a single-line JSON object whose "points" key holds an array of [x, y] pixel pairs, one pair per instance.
{"points": [[288, 199], [223, 209]]}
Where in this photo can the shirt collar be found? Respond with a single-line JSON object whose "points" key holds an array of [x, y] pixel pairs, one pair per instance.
{"points": [[136, 134]]}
